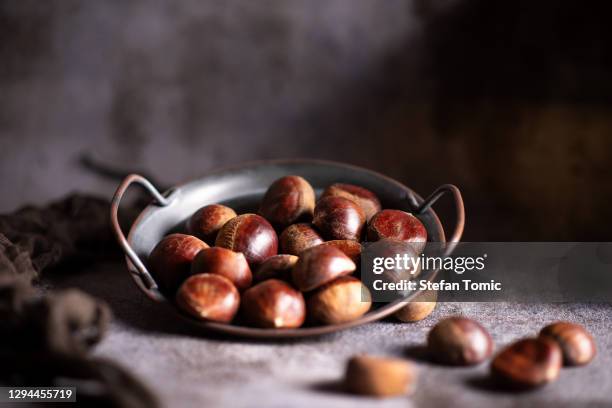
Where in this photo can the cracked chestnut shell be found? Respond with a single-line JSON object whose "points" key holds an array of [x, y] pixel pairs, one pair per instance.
{"points": [[209, 297], [288, 200], [380, 376], [397, 225], [528, 363], [342, 300], [224, 262], [338, 218], [250, 234], [206, 222], [459, 341], [367, 200], [297, 238], [276, 267], [319, 265], [576, 343], [170, 260], [273, 304]]}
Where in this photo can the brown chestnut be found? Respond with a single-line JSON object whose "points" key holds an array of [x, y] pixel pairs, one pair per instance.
{"points": [[380, 376], [351, 248], [276, 267], [399, 226], [206, 222], [250, 234], [225, 262], [419, 308], [273, 304], [576, 343], [288, 200], [339, 218], [528, 363], [459, 341], [170, 260], [342, 300], [320, 265], [298, 237], [209, 297], [366, 199]]}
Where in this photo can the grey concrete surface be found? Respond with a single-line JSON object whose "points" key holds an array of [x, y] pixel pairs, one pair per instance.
{"points": [[190, 368]]}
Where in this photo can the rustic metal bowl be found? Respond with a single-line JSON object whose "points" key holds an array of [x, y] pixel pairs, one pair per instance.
{"points": [[241, 188]]}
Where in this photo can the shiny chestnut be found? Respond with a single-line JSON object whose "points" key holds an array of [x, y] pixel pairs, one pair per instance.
{"points": [[276, 267], [367, 200], [288, 200], [380, 376], [351, 248], [342, 300], [206, 222], [398, 226], [339, 218], [459, 341], [250, 234], [297, 238], [576, 343], [209, 297], [273, 304], [225, 262], [528, 363], [319, 265], [170, 260]]}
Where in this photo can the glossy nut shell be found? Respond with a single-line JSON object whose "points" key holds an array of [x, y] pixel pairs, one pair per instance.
{"points": [[224, 262], [459, 341], [367, 200], [250, 234], [339, 218], [319, 265], [273, 304], [209, 297], [170, 260], [342, 300]]}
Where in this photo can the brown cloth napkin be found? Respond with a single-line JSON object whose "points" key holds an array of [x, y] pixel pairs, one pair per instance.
{"points": [[46, 336]]}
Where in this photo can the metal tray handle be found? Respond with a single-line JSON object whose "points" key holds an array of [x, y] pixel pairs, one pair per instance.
{"points": [[459, 208], [159, 199]]}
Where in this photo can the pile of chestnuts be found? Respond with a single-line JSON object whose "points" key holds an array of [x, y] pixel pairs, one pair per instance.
{"points": [[292, 262]]}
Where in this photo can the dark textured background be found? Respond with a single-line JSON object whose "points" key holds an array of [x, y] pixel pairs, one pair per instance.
{"points": [[507, 99]]}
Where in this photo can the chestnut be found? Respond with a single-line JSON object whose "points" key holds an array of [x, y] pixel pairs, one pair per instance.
{"points": [[273, 304], [338, 218], [398, 226], [225, 262], [320, 265], [367, 200], [576, 343], [419, 308], [209, 297], [380, 376], [459, 341], [351, 248], [298, 237], [528, 363], [342, 300], [288, 200], [276, 267], [250, 234], [206, 222], [170, 260]]}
